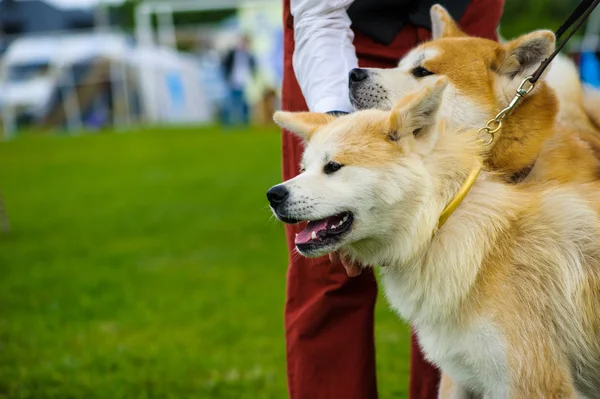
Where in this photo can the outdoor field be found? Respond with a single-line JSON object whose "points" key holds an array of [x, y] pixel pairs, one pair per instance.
{"points": [[147, 265]]}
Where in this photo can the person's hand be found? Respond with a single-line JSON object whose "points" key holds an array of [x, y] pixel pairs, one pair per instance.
{"points": [[352, 269]]}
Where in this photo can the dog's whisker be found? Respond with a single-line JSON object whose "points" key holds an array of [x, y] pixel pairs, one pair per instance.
{"points": [[272, 219]]}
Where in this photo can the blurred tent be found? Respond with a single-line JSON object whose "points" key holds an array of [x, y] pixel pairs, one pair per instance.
{"points": [[260, 19], [99, 76], [95, 79], [36, 67]]}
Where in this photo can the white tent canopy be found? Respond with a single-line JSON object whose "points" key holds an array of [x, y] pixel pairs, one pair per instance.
{"points": [[165, 9], [69, 4]]}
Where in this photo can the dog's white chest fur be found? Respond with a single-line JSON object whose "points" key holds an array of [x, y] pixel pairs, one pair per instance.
{"points": [[473, 355], [475, 358]]}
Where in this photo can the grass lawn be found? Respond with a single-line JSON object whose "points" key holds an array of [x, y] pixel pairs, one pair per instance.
{"points": [[145, 265]]}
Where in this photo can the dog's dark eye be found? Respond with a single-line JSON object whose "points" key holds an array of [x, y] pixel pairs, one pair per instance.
{"points": [[332, 167], [420, 72]]}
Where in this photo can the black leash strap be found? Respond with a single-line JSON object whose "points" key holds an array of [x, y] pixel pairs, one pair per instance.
{"points": [[577, 18], [577, 12]]}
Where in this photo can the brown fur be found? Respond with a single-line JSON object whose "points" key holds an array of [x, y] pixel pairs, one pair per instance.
{"points": [[567, 151], [514, 274]]}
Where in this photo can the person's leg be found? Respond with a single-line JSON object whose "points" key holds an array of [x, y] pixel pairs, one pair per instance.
{"points": [[245, 108], [227, 110], [328, 316], [237, 103], [480, 19], [424, 377]]}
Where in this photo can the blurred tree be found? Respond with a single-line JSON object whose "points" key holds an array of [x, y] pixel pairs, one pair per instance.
{"points": [[522, 16], [125, 15]]}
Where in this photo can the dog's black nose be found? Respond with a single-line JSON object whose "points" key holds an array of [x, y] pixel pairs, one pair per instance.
{"points": [[277, 194], [358, 75]]}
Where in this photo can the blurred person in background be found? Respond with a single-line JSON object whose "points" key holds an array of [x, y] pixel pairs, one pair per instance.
{"points": [[329, 315], [239, 67]]}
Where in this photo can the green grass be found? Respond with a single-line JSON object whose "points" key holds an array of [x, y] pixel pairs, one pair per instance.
{"points": [[145, 265]]}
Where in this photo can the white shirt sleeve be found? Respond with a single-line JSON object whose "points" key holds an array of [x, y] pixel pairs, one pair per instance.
{"points": [[324, 53]]}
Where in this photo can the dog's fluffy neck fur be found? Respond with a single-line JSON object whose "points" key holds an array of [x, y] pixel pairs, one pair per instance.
{"points": [[426, 278], [539, 112], [432, 257]]}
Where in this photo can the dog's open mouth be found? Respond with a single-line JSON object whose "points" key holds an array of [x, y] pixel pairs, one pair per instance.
{"points": [[325, 231]]}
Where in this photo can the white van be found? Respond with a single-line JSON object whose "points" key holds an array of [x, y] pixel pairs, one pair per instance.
{"points": [[33, 65]]}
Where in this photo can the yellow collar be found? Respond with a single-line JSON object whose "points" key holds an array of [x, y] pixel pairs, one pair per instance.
{"points": [[460, 196]]}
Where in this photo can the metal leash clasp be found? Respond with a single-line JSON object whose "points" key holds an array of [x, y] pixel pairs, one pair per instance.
{"points": [[493, 125]]}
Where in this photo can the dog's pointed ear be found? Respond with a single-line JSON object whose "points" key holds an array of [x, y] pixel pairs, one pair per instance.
{"points": [[302, 124], [524, 54], [417, 110], [442, 23]]}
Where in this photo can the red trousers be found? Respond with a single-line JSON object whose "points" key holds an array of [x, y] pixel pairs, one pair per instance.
{"points": [[329, 316]]}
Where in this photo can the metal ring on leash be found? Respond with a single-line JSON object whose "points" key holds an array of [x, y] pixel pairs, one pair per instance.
{"points": [[493, 125]]}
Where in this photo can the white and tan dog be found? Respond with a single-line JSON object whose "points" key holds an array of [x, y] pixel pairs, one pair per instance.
{"points": [[505, 296], [549, 134]]}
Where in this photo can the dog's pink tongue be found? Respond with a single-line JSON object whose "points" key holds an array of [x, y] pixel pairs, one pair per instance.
{"points": [[306, 235]]}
